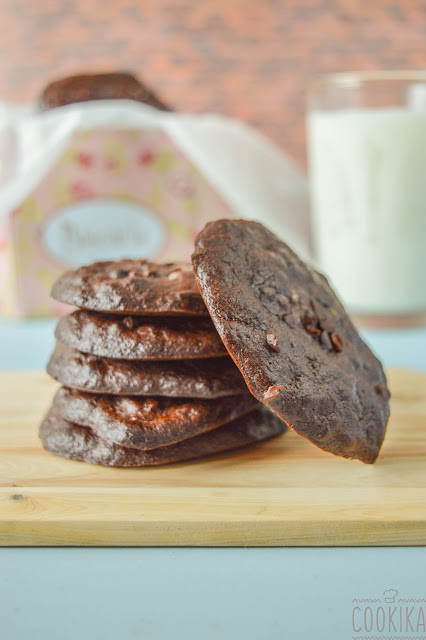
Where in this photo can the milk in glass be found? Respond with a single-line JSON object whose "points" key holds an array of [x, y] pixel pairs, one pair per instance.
{"points": [[368, 190]]}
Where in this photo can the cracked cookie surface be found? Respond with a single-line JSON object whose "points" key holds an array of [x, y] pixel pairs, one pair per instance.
{"points": [[132, 287], [140, 337], [208, 378], [64, 438], [149, 422], [291, 338]]}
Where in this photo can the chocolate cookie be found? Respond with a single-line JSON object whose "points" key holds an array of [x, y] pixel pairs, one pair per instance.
{"points": [[146, 423], [291, 339], [98, 86], [132, 287], [140, 337], [80, 443], [211, 378]]}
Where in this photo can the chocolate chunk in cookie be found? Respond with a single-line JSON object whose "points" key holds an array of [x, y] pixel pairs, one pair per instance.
{"points": [[146, 423], [210, 378], [132, 287], [292, 340], [140, 337], [98, 86]]}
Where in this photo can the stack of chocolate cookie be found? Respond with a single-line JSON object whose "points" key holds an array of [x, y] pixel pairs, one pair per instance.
{"points": [[145, 369], [146, 378]]}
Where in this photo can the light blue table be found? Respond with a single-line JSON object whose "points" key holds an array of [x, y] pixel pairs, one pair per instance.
{"points": [[198, 594]]}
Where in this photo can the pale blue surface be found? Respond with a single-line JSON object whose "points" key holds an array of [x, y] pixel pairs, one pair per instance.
{"points": [[196, 594], [25, 344]]}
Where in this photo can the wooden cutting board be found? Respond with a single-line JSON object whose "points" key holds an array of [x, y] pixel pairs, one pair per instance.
{"points": [[284, 492]]}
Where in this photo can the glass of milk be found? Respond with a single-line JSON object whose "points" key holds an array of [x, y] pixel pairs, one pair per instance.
{"points": [[367, 155]]}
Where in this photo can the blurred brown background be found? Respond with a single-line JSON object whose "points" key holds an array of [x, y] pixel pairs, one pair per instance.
{"points": [[246, 58]]}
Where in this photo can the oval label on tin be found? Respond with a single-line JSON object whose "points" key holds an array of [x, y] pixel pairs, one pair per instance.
{"points": [[94, 230]]}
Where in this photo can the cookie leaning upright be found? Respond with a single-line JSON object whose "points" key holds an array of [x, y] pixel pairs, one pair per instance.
{"points": [[292, 340]]}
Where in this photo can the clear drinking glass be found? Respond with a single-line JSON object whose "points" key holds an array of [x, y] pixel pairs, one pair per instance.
{"points": [[367, 155]]}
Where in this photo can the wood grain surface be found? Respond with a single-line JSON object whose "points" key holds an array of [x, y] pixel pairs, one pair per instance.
{"points": [[284, 492]]}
